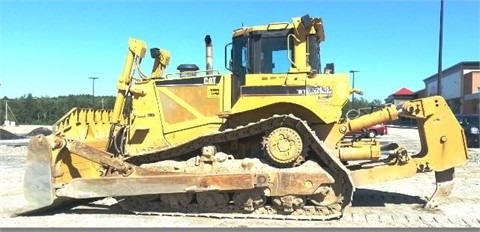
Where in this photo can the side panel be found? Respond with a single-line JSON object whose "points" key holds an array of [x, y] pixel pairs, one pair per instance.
{"points": [[190, 105], [145, 129], [324, 95]]}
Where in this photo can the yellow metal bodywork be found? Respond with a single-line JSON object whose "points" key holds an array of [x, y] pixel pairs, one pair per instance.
{"points": [[168, 112], [167, 115], [86, 125], [160, 63], [442, 137], [315, 107], [442, 141], [136, 51]]}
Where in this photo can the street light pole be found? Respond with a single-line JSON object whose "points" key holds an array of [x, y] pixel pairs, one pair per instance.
{"points": [[353, 85], [93, 90], [440, 45]]}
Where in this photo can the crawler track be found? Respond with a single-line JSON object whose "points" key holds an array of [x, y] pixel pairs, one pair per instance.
{"points": [[343, 186]]}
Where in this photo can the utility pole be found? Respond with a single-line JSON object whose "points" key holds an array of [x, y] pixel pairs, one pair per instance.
{"points": [[353, 85], [6, 113], [440, 43], [93, 90], [5, 110]]}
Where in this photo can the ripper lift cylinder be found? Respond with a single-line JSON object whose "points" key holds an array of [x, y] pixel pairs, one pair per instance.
{"points": [[360, 151], [365, 150], [386, 114]]}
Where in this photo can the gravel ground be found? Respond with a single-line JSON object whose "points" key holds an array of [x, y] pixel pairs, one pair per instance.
{"points": [[389, 204]]}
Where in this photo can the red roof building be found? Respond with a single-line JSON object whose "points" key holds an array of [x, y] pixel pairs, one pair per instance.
{"points": [[401, 96], [403, 92]]}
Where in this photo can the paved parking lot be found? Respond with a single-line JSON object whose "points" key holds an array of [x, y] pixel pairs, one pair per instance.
{"points": [[390, 204]]}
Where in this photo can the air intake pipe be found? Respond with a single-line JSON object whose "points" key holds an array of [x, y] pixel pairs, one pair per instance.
{"points": [[209, 56]]}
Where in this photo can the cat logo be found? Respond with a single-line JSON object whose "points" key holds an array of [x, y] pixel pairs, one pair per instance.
{"points": [[210, 80]]}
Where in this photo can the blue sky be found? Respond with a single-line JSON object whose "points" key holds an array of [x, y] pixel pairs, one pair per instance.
{"points": [[50, 48]]}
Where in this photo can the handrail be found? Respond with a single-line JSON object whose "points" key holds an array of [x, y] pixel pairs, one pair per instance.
{"points": [[179, 74]]}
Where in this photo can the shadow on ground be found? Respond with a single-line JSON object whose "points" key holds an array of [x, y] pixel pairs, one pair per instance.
{"points": [[84, 206], [368, 197]]}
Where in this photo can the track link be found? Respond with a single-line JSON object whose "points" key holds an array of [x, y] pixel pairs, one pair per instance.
{"points": [[343, 185], [307, 213]]}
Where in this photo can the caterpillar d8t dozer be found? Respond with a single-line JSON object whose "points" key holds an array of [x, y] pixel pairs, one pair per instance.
{"points": [[265, 140]]}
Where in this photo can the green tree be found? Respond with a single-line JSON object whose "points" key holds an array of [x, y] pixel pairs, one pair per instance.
{"points": [[26, 109], [47, 110], [361, 105]]}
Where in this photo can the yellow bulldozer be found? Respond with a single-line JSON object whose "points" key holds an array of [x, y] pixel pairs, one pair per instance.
{"points": [[266, 140]]}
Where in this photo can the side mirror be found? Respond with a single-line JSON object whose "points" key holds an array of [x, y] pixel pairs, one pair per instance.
{"points": [[306, 21], [229, 68]]}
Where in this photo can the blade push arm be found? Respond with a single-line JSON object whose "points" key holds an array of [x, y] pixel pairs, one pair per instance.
{"points": [[136, 51]]}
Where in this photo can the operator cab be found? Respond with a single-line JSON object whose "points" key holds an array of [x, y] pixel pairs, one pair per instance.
{"points": [[277, 48]]}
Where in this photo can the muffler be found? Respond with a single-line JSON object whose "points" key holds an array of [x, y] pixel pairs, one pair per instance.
{"points": [[208, 54]]}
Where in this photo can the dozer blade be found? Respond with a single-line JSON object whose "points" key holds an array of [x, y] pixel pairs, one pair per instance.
{"points": [[38, 183]]}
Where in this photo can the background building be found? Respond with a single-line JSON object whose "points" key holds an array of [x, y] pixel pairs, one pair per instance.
{"points": [[400, 96], [460, 86]]}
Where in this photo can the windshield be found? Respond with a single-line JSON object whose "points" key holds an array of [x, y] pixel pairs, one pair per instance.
{"points": [[314, 53], [239, 55], [274, 55], [267, 52]]}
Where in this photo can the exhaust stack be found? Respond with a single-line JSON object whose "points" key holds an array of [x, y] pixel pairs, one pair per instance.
{"points": [[209, 57]]}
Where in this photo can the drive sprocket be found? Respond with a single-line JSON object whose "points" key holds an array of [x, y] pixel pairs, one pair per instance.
{"points": [[283, 146]]}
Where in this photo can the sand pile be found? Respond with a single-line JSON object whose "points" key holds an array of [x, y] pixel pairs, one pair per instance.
{"points": [[6, 135], [40, 130]]}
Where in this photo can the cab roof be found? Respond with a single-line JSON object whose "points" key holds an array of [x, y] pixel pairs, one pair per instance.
{"points": [[279, 26]]}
